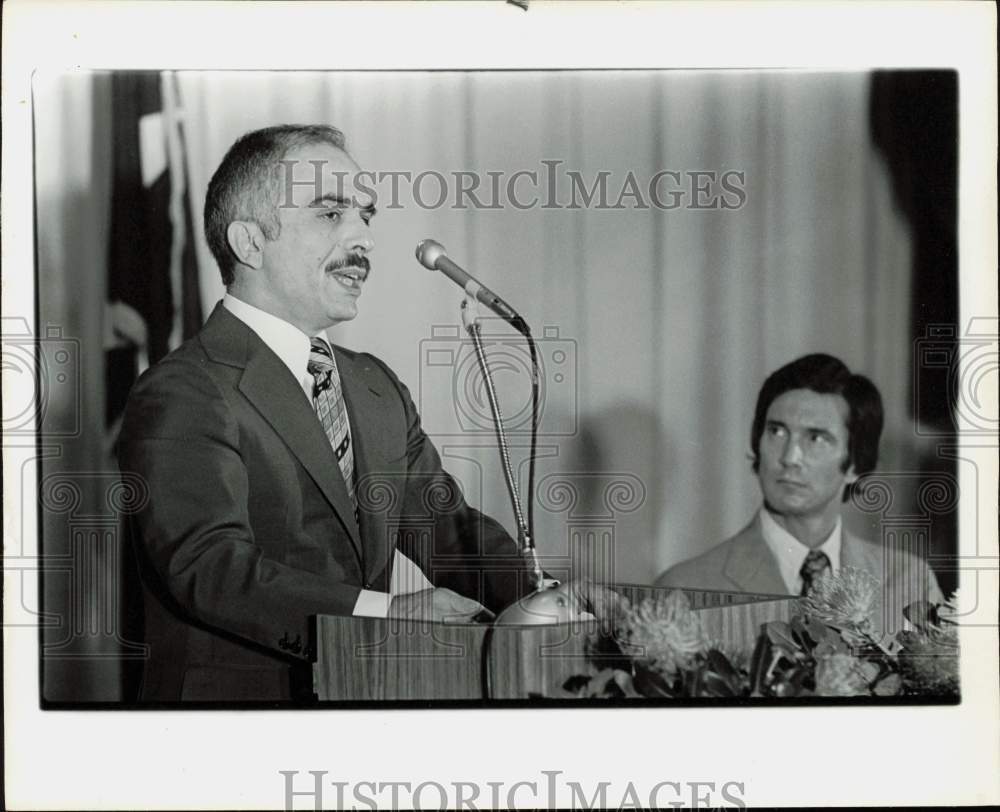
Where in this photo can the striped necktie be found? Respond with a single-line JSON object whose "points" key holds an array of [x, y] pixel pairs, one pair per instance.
{"points": [[328, 401], [816, 566]]}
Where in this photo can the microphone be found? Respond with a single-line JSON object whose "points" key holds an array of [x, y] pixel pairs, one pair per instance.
{"points": [[432, 256]]}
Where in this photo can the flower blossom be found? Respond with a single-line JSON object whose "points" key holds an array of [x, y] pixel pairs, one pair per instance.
{"points": [[848, 600], [664, 632], [839, 674]]}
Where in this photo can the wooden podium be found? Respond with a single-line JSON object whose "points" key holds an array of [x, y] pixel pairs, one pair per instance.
{"points": [[373, 659]]}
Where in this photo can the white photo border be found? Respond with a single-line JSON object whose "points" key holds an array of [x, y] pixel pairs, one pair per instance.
{"points": [[170, 760]]}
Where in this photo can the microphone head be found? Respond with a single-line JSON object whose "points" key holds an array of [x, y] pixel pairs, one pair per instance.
{"points": [[428, 253]]}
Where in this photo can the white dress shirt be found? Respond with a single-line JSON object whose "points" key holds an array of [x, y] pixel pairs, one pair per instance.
{"points": [[286, 341], [791, 553], [293, 347]]}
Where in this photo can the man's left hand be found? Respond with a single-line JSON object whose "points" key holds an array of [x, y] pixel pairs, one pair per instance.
{"points": [[600, 601]]}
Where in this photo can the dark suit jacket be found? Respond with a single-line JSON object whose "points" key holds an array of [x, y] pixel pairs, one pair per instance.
{"points": [[744, 563], [249, 530]]}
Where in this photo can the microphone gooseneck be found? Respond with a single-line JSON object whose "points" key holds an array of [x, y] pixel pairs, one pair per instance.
{"points": [[431, 254]]}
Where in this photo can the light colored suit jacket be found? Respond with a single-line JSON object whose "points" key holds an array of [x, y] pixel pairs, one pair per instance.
{"points": [[744, 563]]}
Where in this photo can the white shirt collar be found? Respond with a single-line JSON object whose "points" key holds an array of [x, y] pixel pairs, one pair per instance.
{"points": [[791, 553], [286, 341]]}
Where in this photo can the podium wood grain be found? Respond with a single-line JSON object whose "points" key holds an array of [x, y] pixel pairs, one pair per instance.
{"points": [[365, 659], [373, 659]]}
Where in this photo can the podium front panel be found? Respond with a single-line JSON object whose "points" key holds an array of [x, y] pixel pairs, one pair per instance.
{"points": [[372, 659]]}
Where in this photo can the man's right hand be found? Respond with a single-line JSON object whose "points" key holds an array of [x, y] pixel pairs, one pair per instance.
{"points": [[440, 605]]}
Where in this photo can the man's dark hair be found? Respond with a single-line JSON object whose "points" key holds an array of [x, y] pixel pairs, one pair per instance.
{"points": [[828, 376], [248, 184]]}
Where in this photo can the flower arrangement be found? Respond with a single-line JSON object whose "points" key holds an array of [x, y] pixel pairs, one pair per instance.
{"points": [[658, 649]]}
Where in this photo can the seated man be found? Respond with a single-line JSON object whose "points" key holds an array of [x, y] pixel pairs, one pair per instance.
{"points": [[285, 474], [816, 429]]}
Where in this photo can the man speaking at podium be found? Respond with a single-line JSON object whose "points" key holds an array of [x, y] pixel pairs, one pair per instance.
{"points": [[815, 430], [283, 472]]}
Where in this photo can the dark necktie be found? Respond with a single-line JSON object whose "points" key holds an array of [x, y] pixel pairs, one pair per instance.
{"points": [[816, 566], [328, 401]]}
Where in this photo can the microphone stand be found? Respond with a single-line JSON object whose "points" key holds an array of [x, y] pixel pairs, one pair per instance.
{"points": [[525, 537]]}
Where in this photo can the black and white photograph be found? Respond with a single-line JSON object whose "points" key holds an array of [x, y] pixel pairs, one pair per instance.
{"points": [[642, 397], [741, 307]]}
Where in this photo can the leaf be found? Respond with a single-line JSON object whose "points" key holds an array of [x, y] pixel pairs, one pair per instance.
{"points": [[782, 688], [624, 681], [759, 664], [890, 685], [832, 635], [891, 646], [605, 684], [718, 667], [715, 685], [576, 684], [606, 652], [822, 632], [921, 614], [691, 679], [869, 670], [720, 664], [595, 686], [854, 639], [773, 661], [780, 634], [802, 681], [650, 684], [804, 632]]}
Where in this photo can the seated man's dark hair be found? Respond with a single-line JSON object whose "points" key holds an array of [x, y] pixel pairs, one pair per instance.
{"points": [[828, 375]]}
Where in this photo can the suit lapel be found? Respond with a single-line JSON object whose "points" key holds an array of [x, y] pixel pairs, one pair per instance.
{"points": [[276, 394], [375, 445], [751, 566], [861, 555], [866, 556]]}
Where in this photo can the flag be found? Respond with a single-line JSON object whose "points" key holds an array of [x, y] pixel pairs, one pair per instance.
{"points": [[153, 296]]}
